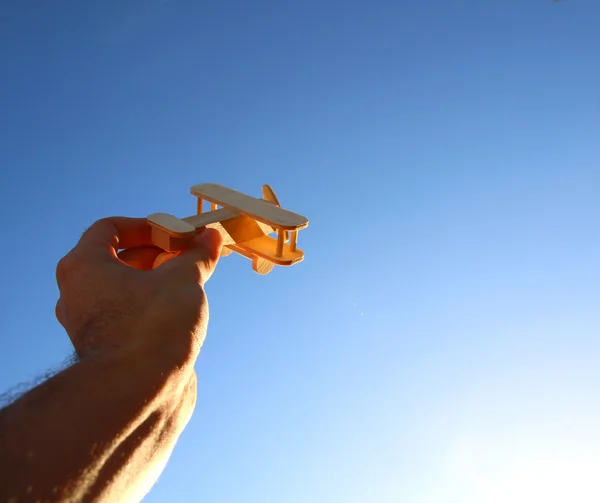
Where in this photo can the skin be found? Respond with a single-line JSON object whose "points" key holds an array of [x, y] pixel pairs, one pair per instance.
{"points": [[103, 429]]}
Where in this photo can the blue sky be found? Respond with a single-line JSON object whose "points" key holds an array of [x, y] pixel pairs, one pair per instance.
{"points": [[440, 341]]}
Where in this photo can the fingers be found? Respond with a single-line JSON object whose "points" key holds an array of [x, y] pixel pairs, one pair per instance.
{"points": [[141, 257], [200, 260], [60, 313], [133, 236], [163, 257], [109, 235], [61, 316]]}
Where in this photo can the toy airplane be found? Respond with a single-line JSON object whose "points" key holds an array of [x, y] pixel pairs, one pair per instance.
{"points": [[243, 221]]}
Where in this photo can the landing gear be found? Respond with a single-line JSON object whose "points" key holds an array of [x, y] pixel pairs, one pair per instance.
{"points": [[261, 266]]}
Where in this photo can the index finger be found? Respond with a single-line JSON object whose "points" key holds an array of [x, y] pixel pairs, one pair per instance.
{"points": [[109, 235]]}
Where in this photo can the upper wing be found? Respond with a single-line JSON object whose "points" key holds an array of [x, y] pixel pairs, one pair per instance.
{"points": [[257, 209]]}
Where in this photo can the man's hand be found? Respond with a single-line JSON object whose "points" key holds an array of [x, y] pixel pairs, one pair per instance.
{"points": [[103, 429], [111, 299]]}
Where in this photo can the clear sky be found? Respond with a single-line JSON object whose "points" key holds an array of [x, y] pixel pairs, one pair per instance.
{"points": [[440, 342]]}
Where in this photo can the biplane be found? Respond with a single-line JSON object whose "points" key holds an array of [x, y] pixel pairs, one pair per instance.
{"points": [[245, 223]]}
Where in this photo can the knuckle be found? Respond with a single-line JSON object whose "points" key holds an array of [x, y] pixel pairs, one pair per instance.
{"points": [[70, 266], [62, 268], [98, 224], [103, 222], [60, 315]]}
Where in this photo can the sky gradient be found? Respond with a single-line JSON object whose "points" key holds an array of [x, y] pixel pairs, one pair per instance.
{"points": [[440, 342]]}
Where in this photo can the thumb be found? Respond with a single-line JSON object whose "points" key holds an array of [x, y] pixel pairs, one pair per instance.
{"points": [[199, 260]]}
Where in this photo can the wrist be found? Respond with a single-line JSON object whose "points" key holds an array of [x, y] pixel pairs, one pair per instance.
{"points": [[172, 350]]}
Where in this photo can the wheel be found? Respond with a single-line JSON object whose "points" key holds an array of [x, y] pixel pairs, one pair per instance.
{"points": [[261, 266]]}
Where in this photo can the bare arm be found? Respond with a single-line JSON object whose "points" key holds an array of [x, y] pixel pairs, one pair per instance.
{"points": [[103, 429]]}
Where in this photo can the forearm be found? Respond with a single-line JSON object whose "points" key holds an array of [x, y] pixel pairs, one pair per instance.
{"points": [[102, 430]]}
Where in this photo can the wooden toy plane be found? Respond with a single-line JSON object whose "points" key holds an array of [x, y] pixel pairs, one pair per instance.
{"points": [[243, 221]]}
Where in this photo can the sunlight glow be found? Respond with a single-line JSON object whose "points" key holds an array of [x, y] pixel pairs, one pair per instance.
{"points": [[526, 478]]}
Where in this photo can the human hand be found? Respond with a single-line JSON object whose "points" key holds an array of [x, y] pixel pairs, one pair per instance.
{"points": [[112, 300]]}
